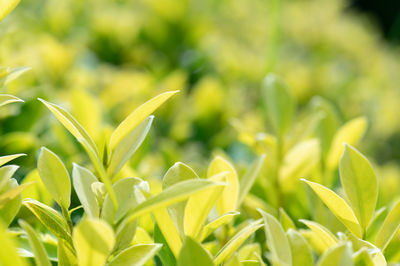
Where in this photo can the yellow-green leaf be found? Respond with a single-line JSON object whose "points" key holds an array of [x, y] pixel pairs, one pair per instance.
{"points": [[7, 158], [277, 241], [359, 183], [339, 255], [128, 145], [169, 230], [6, 172], [66, 254], [137, 116], [55, 177], [236, 241], [8, 74], [285, 220], [82, 180], [11, 194], [338, 207], [213, 225], [93, 242], [229, 197], [192, 253], [363, 258], [8, 250], [6, 99], [389, 228], [301, 252], [136, 255], [247, 181], [350, 133], [172, 195], [41, 257], [325, 236], [6, 6]]}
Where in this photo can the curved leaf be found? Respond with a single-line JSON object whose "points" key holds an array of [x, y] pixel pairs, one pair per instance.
{"points": [[192, 253], [82, 180], [339, 255], [325, 236], [389, 228], [247, 181], [136, 255], [301, 252]]}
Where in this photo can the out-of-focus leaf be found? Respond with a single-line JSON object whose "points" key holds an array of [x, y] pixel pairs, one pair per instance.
{"points": [[136, 117], [360, 184], [236, 241], [135, 255], [171, 195], [11, 194], [389, 228], [363, 258], [279, 103], [338, 207], [339, 255], [213, 225], [11, 201], [41, 257], [6, 172], [192, 253], [285, 220], [300, 250], [128, 145], [65, 253], [50, 218], [93, 241], [55, 177], [277, 241], [37, 190], [247, 181], [298, 163], [229, 197], [82, 180], [7, 158], [327, 238], [8, 74], [8, 250], [350, 133], [6, 99]]}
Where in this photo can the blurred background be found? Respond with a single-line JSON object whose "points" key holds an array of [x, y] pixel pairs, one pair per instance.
{"points": [[102, 58]]}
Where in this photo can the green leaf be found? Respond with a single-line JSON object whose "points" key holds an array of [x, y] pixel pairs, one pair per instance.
{"points": [[11, 194], [229, 197], [299, 248], [171, 195], [70, 123], [390, 227], [192, 253], [6, 6], [324, 235], [93, 241], [6, 172], [128, 145], [136, 255], [55, 177], [247, 181], [338, 207], [11, 201], [280, 104], [7, 99], [277, 241], [359, 183], [213, 225], [350, 133], [339, 255], [226, 252], [169, 230], [82, 180], [50, 218], [285, 220], [66, 254], [177, 173], [198, 207], [137, 116], [7, 158], [298, 163], [8, 250], [165, 253], [363, 258], [8, 74], [41, 257]]}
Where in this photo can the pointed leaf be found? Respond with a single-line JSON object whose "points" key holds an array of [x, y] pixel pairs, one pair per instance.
{"points": [[339, 255], [55, 177], [6, 172], [213, 225], [6, 6], [247, 181], [11, 194], [301, 252], [194, 254], [327, 238], [136, 255], [390, 227], [82, 180], [7, 158], [6, 99]]}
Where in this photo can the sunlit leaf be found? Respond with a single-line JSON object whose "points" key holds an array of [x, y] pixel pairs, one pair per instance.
{"points": [[327, 238], [390, 227], [8, 250], [8, 158], [247, 181], [6, 99], [6, 172], [192, 253], [135, 255], [285, 220], [299, 248], [82, 180], [339, 255], [169, 230], [6, 6], [213, 225]]}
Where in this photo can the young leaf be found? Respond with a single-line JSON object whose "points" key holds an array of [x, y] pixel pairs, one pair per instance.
{"points": [[7, 158], [136, 117], [285, 220], [6, 99], [82, 180], [279, 103], [55, 177], [277, 241], [169, 230], [338, 207], [247, 181], [390, 227], [171, 195], [350, 133], [339, 255], [135, 255], [93, 241], [229, 197], [327, 238], [6, 6], [128, 145], [41, 257], [299, 248], [236, 241], [213, 225], [192, 253], [359, 183], [12, 193], [6, 172], [49, 218], [70, 123], [11, 201]]}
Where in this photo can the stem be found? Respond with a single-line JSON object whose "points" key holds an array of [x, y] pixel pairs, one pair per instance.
{"points": [[67, 217]]}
